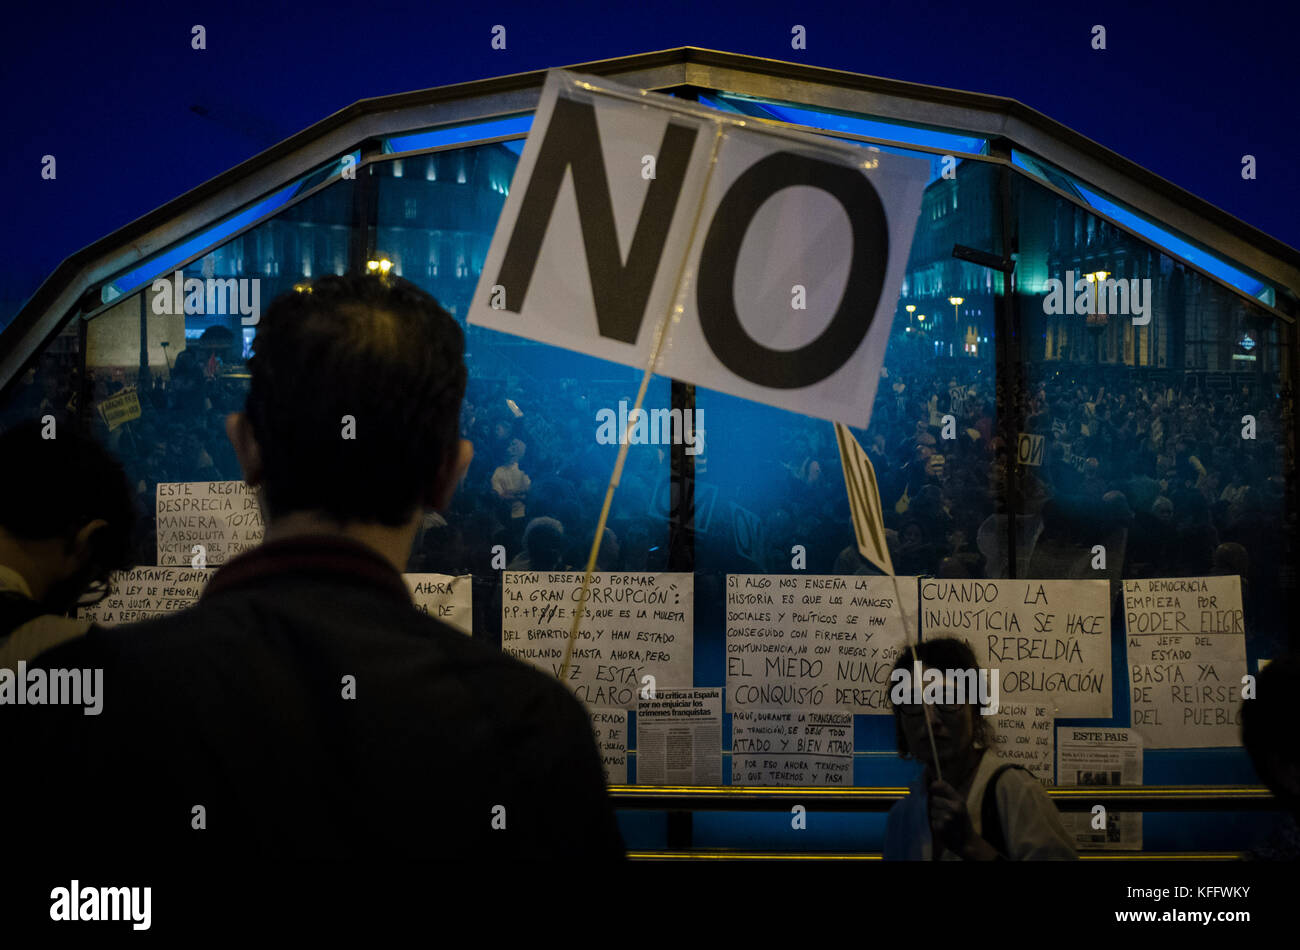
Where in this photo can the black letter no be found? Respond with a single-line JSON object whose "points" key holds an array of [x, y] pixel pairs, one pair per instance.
{"points": [[731, 344]]}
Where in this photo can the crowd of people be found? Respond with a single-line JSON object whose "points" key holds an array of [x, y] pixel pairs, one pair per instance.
{"points": [[1161, 472], [453, 475]]}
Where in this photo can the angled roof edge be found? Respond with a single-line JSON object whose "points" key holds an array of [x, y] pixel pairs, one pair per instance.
{"points": [[994, 116], [822, 87]]}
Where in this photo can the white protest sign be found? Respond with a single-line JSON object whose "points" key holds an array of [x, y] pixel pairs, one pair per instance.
{"points": [[1105, 757], [222, 517], [814, 641], [634, 625], [679, 737], [1186, 658], [864, 501], [1029, 449], [1048, 640], [780, 254], [1022, 733], [610, 728], [143, 593], [791, 747], [444, 597]]}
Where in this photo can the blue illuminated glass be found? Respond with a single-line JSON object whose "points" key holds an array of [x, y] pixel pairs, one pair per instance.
{"points": [[164, 262], [896, 132], [460, 133], [1140, 225], [838, 122]]}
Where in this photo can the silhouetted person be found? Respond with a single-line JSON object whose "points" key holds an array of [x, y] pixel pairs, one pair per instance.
{"points": [[1268, 731], [65, 524], [304, 708], [543, 547], [953, 818]]}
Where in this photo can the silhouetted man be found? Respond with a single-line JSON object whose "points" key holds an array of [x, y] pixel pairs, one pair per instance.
{"points": [[65, 524], [304, 708]]}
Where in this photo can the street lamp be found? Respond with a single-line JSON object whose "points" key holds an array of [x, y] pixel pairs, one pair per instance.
{"points": [[1096, 321], [956, 302], [1095, 278], [911, 309]]}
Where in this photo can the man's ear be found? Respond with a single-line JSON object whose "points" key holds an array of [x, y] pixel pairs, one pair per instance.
{"points": [[82, 549], [239, 430], [450, 475]]}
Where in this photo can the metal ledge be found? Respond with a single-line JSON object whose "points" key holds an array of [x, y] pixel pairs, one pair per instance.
{"points": [[876, 856], [1153, 798]]}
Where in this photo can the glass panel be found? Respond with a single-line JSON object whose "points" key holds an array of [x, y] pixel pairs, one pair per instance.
{"points": [[192, 245], [415, 141], [1147, 452], [941, 497], [51, 386], [1160, 236], [847, 122], [436, 216], [188, 364]]}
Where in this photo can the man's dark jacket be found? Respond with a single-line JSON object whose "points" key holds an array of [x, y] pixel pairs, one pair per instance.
{"points": [[238, 705]]}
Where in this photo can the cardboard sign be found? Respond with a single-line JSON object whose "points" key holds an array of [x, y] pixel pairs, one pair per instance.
{"points": [[1049, 640], [779, 254], [815, 641], [634, 625], [610, 729], [444, 597], [1029, 449], [1022, 733], [143, 593], [1186, 658], [791, 747], [208, 522], [864, 500], [124, 407]]}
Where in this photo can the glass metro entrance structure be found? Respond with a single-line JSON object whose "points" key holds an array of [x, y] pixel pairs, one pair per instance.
{"points": [[1142, 422]]}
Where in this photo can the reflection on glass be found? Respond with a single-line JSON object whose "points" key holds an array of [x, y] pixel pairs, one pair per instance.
{"points": [[1139, 372], [540, 469], [185, 353]]}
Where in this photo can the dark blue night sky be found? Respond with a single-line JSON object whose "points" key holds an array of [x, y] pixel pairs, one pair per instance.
{"points": [[1185, 89]]}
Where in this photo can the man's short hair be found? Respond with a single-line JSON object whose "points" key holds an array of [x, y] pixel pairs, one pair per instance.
{"points": [[378, 350], [52, 488]]}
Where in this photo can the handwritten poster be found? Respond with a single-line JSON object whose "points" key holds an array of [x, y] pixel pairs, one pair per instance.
{"points": [[119, 409], [1049, 640], [444, 597], [1023, 734], [679, 737], [143, 593], [634, 625], [814, 641], [610, 727], [1186, 658], [223, 517], [791, 747]]}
